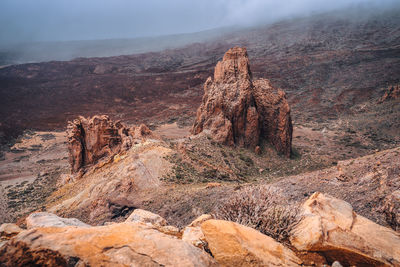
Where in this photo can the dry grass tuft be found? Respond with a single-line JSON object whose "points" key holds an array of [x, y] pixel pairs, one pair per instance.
{"points": [[263, 208]]}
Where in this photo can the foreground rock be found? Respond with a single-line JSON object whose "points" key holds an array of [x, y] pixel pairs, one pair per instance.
{"points": [[123, 244], [94, 138], [45, 219], [144, 216], [237, 112], [233, 244], [8, 230], [331, 227]]}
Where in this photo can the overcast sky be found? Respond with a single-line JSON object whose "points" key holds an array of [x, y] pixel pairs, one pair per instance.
{"points": [[54, 20]]}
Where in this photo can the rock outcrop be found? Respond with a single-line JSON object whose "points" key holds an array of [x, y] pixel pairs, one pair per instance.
{"points": [[233, 244], [392, 92], [119, 244], [237, 111], [331, 227], [90, 139], [45, 219]]}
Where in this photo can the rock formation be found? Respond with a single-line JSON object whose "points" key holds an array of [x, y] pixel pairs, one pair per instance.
{"points": [[237, 111], [119, 244], [393, 92], [331, 227], [94, 138], [233, 244]]}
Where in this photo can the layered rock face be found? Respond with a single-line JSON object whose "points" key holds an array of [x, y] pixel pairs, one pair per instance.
{"points": [[94, 138], [236, 111]]}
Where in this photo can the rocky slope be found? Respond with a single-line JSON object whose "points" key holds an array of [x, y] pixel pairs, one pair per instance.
{"points": [[328, 228], [328, 65]]}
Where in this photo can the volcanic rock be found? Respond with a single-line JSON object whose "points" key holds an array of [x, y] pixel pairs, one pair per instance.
{"points": [[393, 92], [8, 230], [236, 111], [45, 219], [144, 216], [391, 209], [94, 138], [274, 111], [331, 227], [119, 244], [233, 244]]}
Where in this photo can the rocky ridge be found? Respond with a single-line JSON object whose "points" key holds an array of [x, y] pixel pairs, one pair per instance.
{"points": [[236, 110]]}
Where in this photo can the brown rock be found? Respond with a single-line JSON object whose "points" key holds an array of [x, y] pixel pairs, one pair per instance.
{"points": [[45, 219], [193, 233], [144, 216], [120, 244], [233, 244], [8, 230], [212, 185], [331, 227], [237, 112], [92, 139], [393, 92], [98, 137], [228, 109], [391, 209], [274, 111]]}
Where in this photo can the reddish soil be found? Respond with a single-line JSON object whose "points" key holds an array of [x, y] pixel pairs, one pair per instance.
{"points": [[326, 64]]}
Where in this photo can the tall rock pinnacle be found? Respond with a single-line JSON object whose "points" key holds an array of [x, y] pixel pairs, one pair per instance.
{"points": [[236, 111]]}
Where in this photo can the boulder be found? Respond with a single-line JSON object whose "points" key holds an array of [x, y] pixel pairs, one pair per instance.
{"points": [[193, 233], [331, 227], [391, 209], [236, 111], [45, 219], [144, 216], [233, 244], [199, 220], [8, 230], [120, 244]]}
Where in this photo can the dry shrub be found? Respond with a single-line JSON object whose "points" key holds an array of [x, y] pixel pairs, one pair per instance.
{"points": [[263, 208]]}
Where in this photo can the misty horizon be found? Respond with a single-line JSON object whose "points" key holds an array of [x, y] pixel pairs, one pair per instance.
{"points": [[24, 21]]}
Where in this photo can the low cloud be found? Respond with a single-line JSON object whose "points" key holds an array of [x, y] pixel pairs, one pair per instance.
{"points": [[60, 20]]}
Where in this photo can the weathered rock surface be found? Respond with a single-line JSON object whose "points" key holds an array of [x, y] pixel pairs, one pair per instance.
{"points": [[121, 244], [331, 227], [391, 209], [233, 244], [111, 190], [144, 216], [237, 112], [275, 121], [45, 219], [193, 233], [393, 92], [94, 138], [8, 230]]}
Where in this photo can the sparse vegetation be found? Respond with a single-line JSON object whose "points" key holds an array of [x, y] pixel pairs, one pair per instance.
{"points": [[262, 208]]}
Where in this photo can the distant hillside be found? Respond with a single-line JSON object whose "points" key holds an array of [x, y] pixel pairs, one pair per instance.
{"points": [[50, 51], [330, 65]]}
